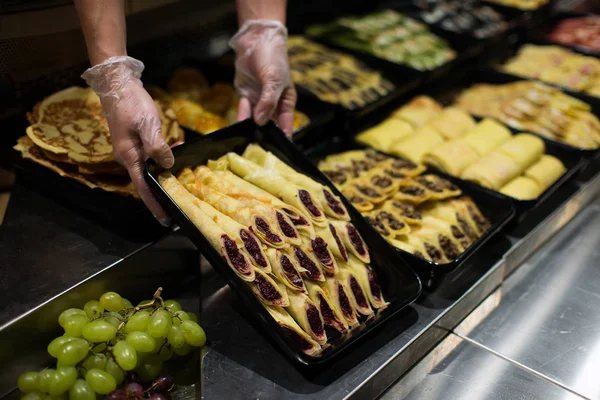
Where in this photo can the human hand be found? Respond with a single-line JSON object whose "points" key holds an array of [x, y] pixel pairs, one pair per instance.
{"points": [[262, 73], [133, 120]]}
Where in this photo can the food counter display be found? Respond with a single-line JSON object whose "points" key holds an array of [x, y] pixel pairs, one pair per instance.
{"points": [[330, 268]]}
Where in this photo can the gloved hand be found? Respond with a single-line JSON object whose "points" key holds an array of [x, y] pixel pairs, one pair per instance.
{"points": [[133, 120], [262, 73]]}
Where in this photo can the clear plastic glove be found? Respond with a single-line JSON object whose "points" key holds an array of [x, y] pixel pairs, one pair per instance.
{"points": [[262, 73], [133, 120]]}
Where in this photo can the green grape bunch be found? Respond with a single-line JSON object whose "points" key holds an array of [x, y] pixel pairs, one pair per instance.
{"points": [[110, 342]]}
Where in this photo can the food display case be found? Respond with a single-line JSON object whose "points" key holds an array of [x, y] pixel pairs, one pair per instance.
{"points": [[426, 233]]}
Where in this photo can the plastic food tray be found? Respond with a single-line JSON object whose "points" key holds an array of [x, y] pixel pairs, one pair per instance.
{"points": [[399, 283]]}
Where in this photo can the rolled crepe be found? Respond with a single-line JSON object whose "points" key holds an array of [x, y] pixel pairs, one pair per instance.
{"points": [[362, 187], [450, 229], [493, 171], [523, 149], [546, 171], [330, 310], [395, 224], [378, 179], [334, 242], [452, 157], [300, 220], [352, 240], [409, 248], [522, 188], [438, 187], [250, 243], [309, 265], [307, 315], [361, 203], [384, 135], [418, 111], [318, 247], [416, 146], [330, 203], [486, 136], [452, 122], [406, 210], [367, 278], [378, 225], [293, 330], [186, 176], [445, 212], [261, 219], [411, 191], [471, 213], [430, 248], [399, 168], [286, 268], [341, 297], [224, 244], [278, 186], [358, 298], [207, 177], [267, 289], [450, 246]]}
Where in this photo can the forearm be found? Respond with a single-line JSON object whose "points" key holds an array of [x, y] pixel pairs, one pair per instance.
{"points": [[261, 9], [103, 26]]}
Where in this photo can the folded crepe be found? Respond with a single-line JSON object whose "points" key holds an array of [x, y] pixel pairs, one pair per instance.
{"points": [[381, 180], [411, 191], [307, 315], [293, 330], [418, 111], [452, 122], [492, 171], [361, 203], [352, 240], [409, 248], [367, 278], [451, 230], [330, 310], [261, 219], [384, 135], [438, 187], [362, 188], [267, 289], [334, 242], [309, 265], [358, 298], [522, 188], [329, 202], [286, 268], [399, 167], [430, 248], [546, 171], [486, 136], [469, 210], [449, 246], [391, 221], [416, 146], [228, 247], [452, 157], [278, 186], [320, 251], [340, 297], [405, 210], [445, 212], [523, 149]]}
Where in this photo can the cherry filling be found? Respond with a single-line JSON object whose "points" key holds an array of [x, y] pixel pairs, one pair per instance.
{"points": [[334, 203], [326, 311], [466, 228], [449, 248], [459, 236], [264, 227], [320, 249], [266, 289], [434, 253], [236, 258], [290, 271], [286, 228], [253, 248], [338, 242], [308, 202], [308, 264], [345, 303], [374, 284], [304, 344], [314, 320], [359, 296], [356, 240], [297, 220]]}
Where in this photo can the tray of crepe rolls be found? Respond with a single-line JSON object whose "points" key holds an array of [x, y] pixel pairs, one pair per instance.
{"points": [[525, 167], [577, 31], [435, 218], [305, 263]]}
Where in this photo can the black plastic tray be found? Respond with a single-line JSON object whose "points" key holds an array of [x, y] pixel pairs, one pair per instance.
{"points": [[540, 34], [497, 208], [400, 285]]}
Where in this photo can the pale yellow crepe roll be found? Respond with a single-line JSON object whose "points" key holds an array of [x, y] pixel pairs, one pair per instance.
{"points": [[418, 111], [415, 146], [452, 123], [386, 134], [486, 136], [452, 157], [522, 188], [546, 171], [524, 149], [493, 171]]}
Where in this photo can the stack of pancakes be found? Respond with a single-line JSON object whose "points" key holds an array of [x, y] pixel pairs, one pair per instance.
{"points": [[69, 135]]}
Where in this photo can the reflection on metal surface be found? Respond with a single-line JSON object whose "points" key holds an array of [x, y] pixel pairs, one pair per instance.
{"points": [[480, 313], [460, 376], [549, 317]]}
